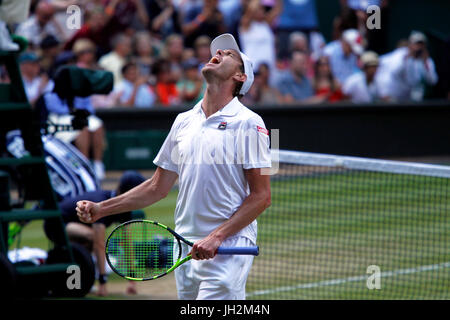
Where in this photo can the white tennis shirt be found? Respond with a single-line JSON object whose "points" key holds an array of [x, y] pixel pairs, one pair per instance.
{"points": [[210, 155]]}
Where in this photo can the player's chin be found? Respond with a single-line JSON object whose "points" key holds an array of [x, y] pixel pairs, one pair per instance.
{"points": [[208, 69]]}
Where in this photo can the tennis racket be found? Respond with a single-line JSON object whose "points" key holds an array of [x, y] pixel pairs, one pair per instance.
{"points": [[144, 250]]}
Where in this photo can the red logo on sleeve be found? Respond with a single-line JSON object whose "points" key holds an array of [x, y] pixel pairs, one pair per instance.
{"points": [[263, 130]]}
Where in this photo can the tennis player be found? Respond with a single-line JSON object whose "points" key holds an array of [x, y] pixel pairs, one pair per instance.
{"points": [[217, 150]]}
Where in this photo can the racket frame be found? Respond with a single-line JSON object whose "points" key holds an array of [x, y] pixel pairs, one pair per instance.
{"points": [[179, 239]]}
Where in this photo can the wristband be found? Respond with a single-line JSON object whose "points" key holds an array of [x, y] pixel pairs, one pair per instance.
{"points": [[103, 278]]}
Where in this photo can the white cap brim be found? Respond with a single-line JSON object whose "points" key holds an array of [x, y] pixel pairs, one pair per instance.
{"points": [[227, 41], [357, 49]]}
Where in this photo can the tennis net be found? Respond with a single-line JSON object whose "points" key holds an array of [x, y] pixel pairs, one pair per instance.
{"points": [[354, 228]]}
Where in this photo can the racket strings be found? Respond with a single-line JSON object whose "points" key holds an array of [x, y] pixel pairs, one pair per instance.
{"points": [[141, 250]]}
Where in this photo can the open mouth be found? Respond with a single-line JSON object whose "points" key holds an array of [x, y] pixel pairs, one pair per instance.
{"points": [[214, 60]]}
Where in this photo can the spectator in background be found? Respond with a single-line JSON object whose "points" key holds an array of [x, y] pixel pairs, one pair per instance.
{"points": [[202, 51], [116, 59], [50, 48], [133, 90], [316, 44], [63, 58], [294, 86], [188, 53], [60, 15], [174, 55], [232, 11], [376, 38], [361, 4], [347, 19], [324, 83], [163, 18], [256, 35], [344, 53], [93, 29], [35, 82], [366, 86], [295, 16], [40, 25], [359, 8], [144, 57], [84, 51], [124, 15], [205, 19], [408, 70], [85, 55], [298, 41], [191, 86], [165, 88], [261, 92]]}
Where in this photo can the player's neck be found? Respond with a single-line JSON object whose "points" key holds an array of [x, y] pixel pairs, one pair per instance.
{"points": [[215, 99]]}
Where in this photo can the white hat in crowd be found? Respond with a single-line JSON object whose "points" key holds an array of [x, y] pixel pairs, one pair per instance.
{"points": [[417, 36], [370, 58], [354, 39]]}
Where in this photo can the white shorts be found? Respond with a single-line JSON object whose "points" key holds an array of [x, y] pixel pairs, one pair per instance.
{"points": [[221, 278]]}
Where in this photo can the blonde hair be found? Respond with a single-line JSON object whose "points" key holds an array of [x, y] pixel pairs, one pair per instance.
{"points": [[83, 44]]}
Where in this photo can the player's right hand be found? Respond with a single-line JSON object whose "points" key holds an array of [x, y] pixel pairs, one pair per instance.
{"points": [[88, 211]]}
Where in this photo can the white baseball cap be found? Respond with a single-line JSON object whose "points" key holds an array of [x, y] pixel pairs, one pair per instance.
{"points": [[417, 36], [354, 39], [370, 58], [226, 41]]}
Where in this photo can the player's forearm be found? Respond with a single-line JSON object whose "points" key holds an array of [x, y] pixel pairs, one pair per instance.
{"points": [[139, 197], [161, 18], [142, 12], [251, 208], [190, 27]]}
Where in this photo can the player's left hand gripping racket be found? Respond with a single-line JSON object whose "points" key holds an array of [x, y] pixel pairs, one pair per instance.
{"points": [[144, 250]]}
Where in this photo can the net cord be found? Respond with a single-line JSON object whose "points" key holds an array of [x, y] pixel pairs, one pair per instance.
{"points": [[356, 163]]}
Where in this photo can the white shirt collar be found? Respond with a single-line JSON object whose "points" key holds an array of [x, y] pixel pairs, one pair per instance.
{"points": [[230, 109]]}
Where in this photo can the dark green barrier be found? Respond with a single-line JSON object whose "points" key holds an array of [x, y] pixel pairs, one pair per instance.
{"points": [[132, 149], [4, 191], [372, 130]]}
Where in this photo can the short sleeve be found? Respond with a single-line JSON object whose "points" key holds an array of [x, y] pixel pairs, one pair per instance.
{"points": [[168, 152], [256, 142]]}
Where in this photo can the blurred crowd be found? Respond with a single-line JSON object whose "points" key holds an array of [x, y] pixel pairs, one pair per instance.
{"points": [[156, 49]]}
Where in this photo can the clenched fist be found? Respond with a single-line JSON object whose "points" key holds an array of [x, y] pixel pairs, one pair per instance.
{"points": [[88, 211]]}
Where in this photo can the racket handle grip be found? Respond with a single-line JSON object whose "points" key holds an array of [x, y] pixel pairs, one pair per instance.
{"points": [[239, 250]]}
